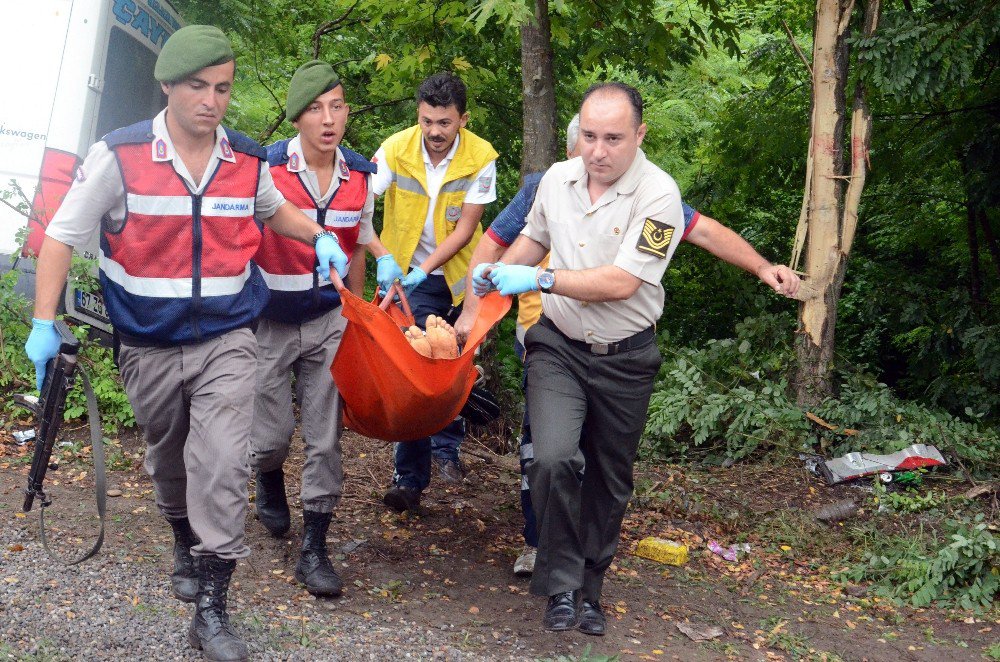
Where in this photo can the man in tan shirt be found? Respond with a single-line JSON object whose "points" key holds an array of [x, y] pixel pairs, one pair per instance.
{"points": [[612, 221]]}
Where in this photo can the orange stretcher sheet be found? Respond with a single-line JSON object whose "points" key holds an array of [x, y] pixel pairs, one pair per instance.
{"points": [[390, 391]]}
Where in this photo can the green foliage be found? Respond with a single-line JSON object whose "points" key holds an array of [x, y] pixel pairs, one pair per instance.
{"points": [[962, 570], [732, 391], [730, 397], [18, 373], [915, 55], [909, 500]]}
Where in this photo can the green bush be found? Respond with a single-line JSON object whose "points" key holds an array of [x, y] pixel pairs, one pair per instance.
{"points": [[962, 570], [18, 373], [734, 393]]}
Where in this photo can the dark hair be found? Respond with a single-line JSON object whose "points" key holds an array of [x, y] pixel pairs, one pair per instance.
{"points": [[632, 94], [443, 90]]}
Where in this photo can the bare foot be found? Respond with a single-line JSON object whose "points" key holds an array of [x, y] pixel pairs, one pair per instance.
{"points": [[418, 341], [441, 335]]}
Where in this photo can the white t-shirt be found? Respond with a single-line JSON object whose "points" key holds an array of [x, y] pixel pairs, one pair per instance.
{"points": [[99, 188], [481, 193]]}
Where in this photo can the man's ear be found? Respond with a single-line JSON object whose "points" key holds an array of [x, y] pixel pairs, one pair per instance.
{"points": [[463, 120], [166, 88], [641, 133]]}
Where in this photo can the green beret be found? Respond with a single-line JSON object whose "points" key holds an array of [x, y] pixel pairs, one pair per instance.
{"points": [[191, 49], [308, 82]]}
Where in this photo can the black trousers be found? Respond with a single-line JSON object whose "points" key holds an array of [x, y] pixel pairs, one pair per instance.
{"points": [[587, 416]]}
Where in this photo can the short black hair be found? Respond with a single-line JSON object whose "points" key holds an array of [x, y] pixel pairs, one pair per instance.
{"points": [[632, 94], [443, 90]]}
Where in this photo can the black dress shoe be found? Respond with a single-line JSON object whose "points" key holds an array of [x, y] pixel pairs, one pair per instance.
{"points": [[560, 613], [401, 498], [592, 619]]}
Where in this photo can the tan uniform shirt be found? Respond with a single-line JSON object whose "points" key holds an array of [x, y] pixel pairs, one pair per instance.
{"points": [[636, 226]]}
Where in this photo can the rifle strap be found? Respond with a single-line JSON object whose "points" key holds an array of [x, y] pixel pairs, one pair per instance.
{"points": [[100, 477]]}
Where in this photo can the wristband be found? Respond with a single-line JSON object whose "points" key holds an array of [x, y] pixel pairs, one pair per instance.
{"points": [[324, 233]]}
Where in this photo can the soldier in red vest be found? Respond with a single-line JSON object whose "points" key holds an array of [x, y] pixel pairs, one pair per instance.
{"points": [[177, 200], [301, 327]]}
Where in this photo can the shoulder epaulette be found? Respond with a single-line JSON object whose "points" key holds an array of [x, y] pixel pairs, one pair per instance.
{"points": [[135, 134], [277, 153], [357, 162], [242, 143]]}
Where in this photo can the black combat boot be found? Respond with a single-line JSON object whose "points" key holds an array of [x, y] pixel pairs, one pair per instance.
{"points": [[184, 579], [272, 506], [210, 630], [314, 568]]}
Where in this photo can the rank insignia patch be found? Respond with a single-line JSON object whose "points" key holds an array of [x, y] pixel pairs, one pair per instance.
{"points": [[227, 151], [344, 172], [293, 161], [452, 213], [161, 149], [655, 238]]}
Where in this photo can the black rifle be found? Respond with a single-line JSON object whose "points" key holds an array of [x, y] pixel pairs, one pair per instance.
{"points": [[60, 374]]}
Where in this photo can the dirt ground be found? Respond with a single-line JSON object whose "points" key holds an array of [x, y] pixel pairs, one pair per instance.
{"points": [[449, 568]]}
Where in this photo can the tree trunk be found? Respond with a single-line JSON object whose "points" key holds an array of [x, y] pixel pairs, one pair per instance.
{"points": [[824, 261], [830, 214], [541, 144]]}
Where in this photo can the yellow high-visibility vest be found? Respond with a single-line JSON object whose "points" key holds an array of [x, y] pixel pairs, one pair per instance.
{"points": [[406, 199]]}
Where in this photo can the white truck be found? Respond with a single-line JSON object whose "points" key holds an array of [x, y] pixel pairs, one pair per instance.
{"points": [[74, 70]]}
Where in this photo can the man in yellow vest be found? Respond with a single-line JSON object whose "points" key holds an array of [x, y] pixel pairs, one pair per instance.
{"points": [[437, 178]]}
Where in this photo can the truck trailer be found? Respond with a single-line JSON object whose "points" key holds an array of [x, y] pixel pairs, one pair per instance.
{"points": [[75, 70]]}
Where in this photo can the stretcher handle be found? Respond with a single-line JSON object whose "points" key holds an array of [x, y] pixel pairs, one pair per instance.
{"points": [[336, 280], [399, 291], [395, 290]]}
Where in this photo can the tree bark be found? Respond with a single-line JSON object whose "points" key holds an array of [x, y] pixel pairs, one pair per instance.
{"points": [[824, 262], [541, 144]]}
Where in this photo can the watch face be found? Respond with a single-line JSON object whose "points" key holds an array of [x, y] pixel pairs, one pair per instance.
{"points": [[546, 280]]}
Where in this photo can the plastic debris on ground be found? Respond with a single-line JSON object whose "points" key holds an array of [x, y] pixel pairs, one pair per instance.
{"points": [[700, 631], [731, 553], [838, 511], [23, 436], [664, 551], [856, 465]]}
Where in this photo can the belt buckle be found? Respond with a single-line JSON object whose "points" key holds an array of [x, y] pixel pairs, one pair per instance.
{"points": [[600, 348]]}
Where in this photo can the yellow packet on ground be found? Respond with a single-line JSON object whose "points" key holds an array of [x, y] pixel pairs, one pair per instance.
{"points": [[664, 551]]}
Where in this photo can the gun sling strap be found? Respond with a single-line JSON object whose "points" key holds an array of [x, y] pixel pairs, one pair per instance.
{"points": [[100, 478]]}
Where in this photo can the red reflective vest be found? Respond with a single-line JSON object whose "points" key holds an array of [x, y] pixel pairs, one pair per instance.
{"points": [[178, 268], [289, 266]]}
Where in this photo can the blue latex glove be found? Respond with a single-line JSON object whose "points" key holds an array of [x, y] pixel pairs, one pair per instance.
{"points": [[482, 286], [412, 279], [328, 251], [387, 271], [515, 278], [43, 345]]}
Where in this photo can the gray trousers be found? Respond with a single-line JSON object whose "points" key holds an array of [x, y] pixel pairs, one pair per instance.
{"points": [[194, 404], [587, 416], [308, 349]]}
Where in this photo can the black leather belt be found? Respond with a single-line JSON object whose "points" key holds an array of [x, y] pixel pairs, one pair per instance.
{"points": [[640, 339]]}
